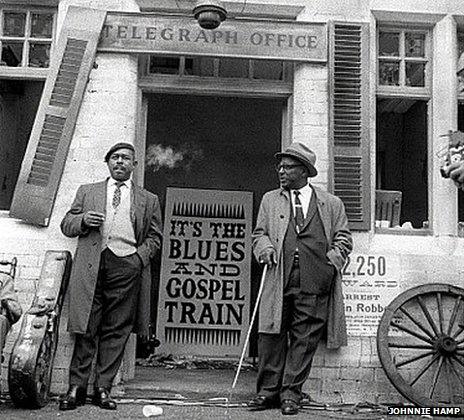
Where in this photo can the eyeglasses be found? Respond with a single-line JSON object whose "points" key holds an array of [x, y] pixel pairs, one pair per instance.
{"points": [[285, 168]]}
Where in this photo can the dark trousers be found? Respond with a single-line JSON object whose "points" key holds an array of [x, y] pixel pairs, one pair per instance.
{"points": [[285, 358], [111, 321]]}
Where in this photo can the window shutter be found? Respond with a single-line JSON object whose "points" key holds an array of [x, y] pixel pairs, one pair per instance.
{"points": [[72, 59], [349, 120]]}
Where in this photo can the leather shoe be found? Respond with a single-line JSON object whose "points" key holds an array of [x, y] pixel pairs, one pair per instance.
{"points": [[75, 397], [262, 402], [102, 398], [289, 407]]}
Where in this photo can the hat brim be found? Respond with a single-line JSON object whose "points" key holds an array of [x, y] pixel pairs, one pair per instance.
{"points": [[312, 170]]}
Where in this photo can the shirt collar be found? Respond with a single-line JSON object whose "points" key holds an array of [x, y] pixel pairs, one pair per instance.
{"points": [[112, 182], [306, 190]]}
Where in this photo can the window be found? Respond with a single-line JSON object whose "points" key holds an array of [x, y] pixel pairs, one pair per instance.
{"points": [[403, 59], [460, 37], [216, 67], [460, 79], [19, 101], [26, 37], [402, 152]]}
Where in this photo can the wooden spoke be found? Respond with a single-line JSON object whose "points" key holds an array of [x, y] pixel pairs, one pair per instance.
{"points": [[459, 355], [457, 360], [427, 314], [409, 331], [448, 375], [417, 322], [440, 312], [435, 377], [424, 369], [456, 373], [458, 332], [457, 304], [413, 359], [410, 346]]}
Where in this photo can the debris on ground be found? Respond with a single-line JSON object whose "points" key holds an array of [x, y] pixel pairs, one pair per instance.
{"points": [[169, 361]]}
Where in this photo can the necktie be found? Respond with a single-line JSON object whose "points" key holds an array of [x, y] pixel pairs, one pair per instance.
{"points": [[299, 217], [117, 195]]}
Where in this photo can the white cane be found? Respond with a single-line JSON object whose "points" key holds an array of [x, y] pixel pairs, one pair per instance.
{"points": [[245, 345]]}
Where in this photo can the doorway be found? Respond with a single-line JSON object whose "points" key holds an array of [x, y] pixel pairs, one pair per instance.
{"points": [[210, 142]]}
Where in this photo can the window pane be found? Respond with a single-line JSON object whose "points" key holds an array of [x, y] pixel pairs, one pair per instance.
{"points": [[415, 45], [42, 25], [415, 74], [164, 65], [389, 72], [460, 43], [233, 67], [12, 53], [14, 24], [267, 69], [389, 44], [39, 55], [201, 66]]}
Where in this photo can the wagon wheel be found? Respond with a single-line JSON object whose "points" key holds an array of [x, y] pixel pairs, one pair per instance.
{"points": [[420, 342]]}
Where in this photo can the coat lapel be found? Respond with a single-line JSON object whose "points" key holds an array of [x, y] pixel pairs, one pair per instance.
{"points": [[312, 208], [138, 204], [322, 206], [99, 197]]}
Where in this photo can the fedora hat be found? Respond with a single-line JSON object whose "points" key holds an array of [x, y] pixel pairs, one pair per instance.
{"points": [[302, 153]]}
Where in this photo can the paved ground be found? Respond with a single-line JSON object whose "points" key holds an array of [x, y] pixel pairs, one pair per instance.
{"points": [[196, 412], [194, 394]]}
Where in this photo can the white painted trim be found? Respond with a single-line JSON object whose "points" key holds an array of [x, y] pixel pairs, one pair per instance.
{"points": [[214, 86], [410, 18], [23, 73], [33, 3], [234, 9]]}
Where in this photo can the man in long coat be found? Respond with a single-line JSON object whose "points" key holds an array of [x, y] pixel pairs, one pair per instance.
{"points": [[119, 229], [302, 236]]}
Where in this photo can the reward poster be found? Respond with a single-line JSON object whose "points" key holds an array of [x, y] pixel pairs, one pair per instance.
{"points": [[370, 283], [205, 272]]}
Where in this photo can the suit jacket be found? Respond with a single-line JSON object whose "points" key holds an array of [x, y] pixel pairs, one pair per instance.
{"points": [[271, 225], [146, 220]]}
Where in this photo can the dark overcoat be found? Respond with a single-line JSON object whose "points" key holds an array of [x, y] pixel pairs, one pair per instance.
{"points": [[146, 220], [271, 225]]}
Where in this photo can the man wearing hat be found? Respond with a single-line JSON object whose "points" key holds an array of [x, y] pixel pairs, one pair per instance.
{"points": [[302, 236], [118, 226]]}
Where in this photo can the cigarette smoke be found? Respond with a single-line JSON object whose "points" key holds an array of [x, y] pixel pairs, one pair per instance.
{"points": [[159, 156]]}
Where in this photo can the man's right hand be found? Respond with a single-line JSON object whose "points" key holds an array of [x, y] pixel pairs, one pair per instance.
{"points": [[93, 219], [268, 257]]}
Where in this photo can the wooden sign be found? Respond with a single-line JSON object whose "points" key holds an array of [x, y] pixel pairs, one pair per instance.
{"points": [[181, 35], [205, 272]]}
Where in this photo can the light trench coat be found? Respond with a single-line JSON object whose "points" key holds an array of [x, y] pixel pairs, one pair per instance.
{"points": [[271, 226]]}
